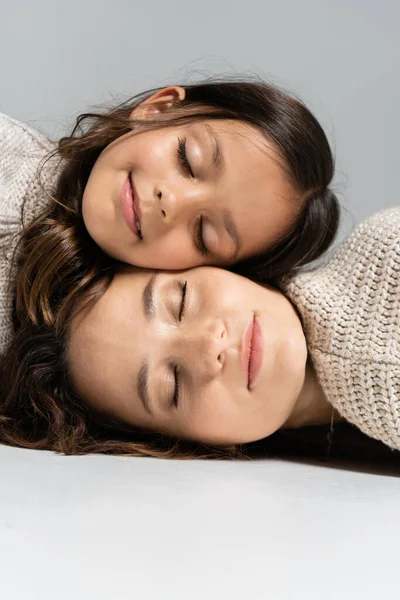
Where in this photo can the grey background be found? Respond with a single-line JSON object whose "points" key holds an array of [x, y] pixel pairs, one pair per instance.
{"points": [[99, 527], [341, 56]]}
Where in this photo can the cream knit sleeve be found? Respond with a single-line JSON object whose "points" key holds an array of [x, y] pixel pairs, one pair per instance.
{"points": [[21, 152], [350, 310]]}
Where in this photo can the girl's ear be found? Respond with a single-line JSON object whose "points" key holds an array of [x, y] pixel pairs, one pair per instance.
{"points": [[158, 103]]}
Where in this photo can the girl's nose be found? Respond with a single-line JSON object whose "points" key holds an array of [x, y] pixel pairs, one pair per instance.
{"points": [[169, 203], [176, 201]]}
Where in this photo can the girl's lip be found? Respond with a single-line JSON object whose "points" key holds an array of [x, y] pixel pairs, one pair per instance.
{"points": [[129, 205], [252, 351]]}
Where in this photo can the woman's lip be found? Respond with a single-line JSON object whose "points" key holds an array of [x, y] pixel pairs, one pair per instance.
{"points": [[252, 351], [129, 205], [256, 353], [246, 347]]}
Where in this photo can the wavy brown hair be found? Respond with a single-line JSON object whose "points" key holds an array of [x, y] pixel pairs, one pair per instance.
{"points": [[59, 261]]}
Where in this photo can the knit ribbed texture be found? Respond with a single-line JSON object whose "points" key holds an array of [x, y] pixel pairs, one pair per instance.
{"points": [[21, 152], [351, 316]]}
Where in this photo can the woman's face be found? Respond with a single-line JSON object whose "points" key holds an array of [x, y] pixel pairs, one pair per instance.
{"points": [[202, 354], [208, 192]]}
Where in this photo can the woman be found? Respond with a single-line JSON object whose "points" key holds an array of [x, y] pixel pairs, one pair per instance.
{"points": [[208, 356]]}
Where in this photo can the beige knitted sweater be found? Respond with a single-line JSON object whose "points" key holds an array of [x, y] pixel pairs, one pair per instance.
{"points": [[21, 151], [351, 315]]}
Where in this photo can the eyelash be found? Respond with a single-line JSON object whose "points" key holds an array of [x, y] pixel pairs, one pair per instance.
{"points": [[175, 399], [200, 239], [182, 157], [183, 301]]}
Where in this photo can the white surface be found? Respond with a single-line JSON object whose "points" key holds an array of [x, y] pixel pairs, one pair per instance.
{"points": [[114, 528]]}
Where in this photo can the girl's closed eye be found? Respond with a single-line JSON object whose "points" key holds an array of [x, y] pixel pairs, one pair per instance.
{"points": [[199, 239]]}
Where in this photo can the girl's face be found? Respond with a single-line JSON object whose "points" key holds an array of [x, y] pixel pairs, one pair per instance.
{"points": [[207, 192], [202, 354]]}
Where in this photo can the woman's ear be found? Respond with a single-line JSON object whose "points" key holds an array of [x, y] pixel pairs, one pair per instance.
{"points": [[158, 103]]}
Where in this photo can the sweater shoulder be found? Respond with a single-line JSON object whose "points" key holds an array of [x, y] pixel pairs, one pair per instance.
{"points": [[388, 218], [371, 250], [350, 306], [380, 230], [14, 133], [22, 151], [350, 310], [23, 195]]}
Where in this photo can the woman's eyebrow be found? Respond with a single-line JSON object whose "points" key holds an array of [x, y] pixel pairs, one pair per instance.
{"points": [[148, 297], [149, 307], [142, 386]]}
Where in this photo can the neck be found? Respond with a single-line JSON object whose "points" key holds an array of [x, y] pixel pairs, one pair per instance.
{"points": [[311, 408]]}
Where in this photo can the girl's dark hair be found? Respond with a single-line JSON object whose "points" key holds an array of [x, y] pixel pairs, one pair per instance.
{"points": [[60, 262], [40, 410]]}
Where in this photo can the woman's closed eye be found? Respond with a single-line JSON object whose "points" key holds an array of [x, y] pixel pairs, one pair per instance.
{"points": [[177, 381], [182, 306], [177, 388]]}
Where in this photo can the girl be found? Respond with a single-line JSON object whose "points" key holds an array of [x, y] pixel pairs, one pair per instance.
{"points": [[208, 356], [230, 173]]}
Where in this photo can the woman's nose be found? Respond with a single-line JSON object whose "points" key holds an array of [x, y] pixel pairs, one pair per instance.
{"points": [[205, 347]]}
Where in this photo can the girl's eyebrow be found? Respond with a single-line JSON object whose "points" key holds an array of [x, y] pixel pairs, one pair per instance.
{"points": [[218, 157]]}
